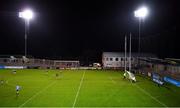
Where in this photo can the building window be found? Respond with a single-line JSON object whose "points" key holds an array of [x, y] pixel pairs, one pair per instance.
{"points": [[122, 59], [131, 59], [107, 59], [117, 59], [110, 59]]}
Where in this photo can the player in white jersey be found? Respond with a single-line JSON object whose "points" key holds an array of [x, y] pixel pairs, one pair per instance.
{"points": [[17, 90]]}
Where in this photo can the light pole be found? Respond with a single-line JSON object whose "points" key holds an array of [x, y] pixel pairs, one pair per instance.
{"points": [[27, 15], [141, 13]]}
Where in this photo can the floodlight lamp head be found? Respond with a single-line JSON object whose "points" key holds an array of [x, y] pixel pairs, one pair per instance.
{"points": [[141, 13], [27, 14]]}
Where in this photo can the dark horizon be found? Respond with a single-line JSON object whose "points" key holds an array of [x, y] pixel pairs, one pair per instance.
{"points": [[84, 29]]}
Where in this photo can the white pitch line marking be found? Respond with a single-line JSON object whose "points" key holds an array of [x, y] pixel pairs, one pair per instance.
{"points": [[148, 94], [37, 94], [77, 94]]}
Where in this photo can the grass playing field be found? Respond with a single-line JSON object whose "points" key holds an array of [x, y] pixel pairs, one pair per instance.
{"points": [[82, 88]]}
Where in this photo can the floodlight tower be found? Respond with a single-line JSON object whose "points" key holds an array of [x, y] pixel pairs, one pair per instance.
{"points": [[141, 13], [27, 15]]}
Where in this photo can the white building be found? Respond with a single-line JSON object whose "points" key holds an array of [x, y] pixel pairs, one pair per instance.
{"points": [[116, 60]]}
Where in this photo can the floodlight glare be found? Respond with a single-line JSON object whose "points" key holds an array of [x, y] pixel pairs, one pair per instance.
{"points": [[141, 13], [27, 14]]}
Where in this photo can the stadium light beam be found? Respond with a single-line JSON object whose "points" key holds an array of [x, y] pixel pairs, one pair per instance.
{"points": [[141, 13], [27, 15]]}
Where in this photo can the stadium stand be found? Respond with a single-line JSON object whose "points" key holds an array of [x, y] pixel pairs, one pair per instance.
{"points": [[37, 63], [165, 68]]}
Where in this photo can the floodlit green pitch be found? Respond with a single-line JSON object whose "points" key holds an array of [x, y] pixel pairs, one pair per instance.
{"points": [[82, 88]]}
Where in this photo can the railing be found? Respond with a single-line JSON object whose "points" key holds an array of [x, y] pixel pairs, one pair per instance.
{"points": [[31, 62]]}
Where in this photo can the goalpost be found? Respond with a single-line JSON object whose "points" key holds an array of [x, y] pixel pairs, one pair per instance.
{"points": [[128, 74]]}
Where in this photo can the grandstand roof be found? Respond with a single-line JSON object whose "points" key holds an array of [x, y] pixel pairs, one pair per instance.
{"points": [[121, 54], [166, 61]]}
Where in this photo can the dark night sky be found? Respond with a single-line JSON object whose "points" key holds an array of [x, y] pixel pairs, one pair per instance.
{"points": [[84, 29]]}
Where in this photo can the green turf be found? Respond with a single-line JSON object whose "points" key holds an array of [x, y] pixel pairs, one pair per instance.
{"points": [[96, 88]]}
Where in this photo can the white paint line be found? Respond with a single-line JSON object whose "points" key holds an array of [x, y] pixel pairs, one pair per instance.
{"points": [[37, 94], [148, 94], [77, 94]]}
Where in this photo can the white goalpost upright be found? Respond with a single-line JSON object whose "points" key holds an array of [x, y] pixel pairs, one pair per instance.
{"points": [[130, 53], [128, 74], [125, 53]]}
